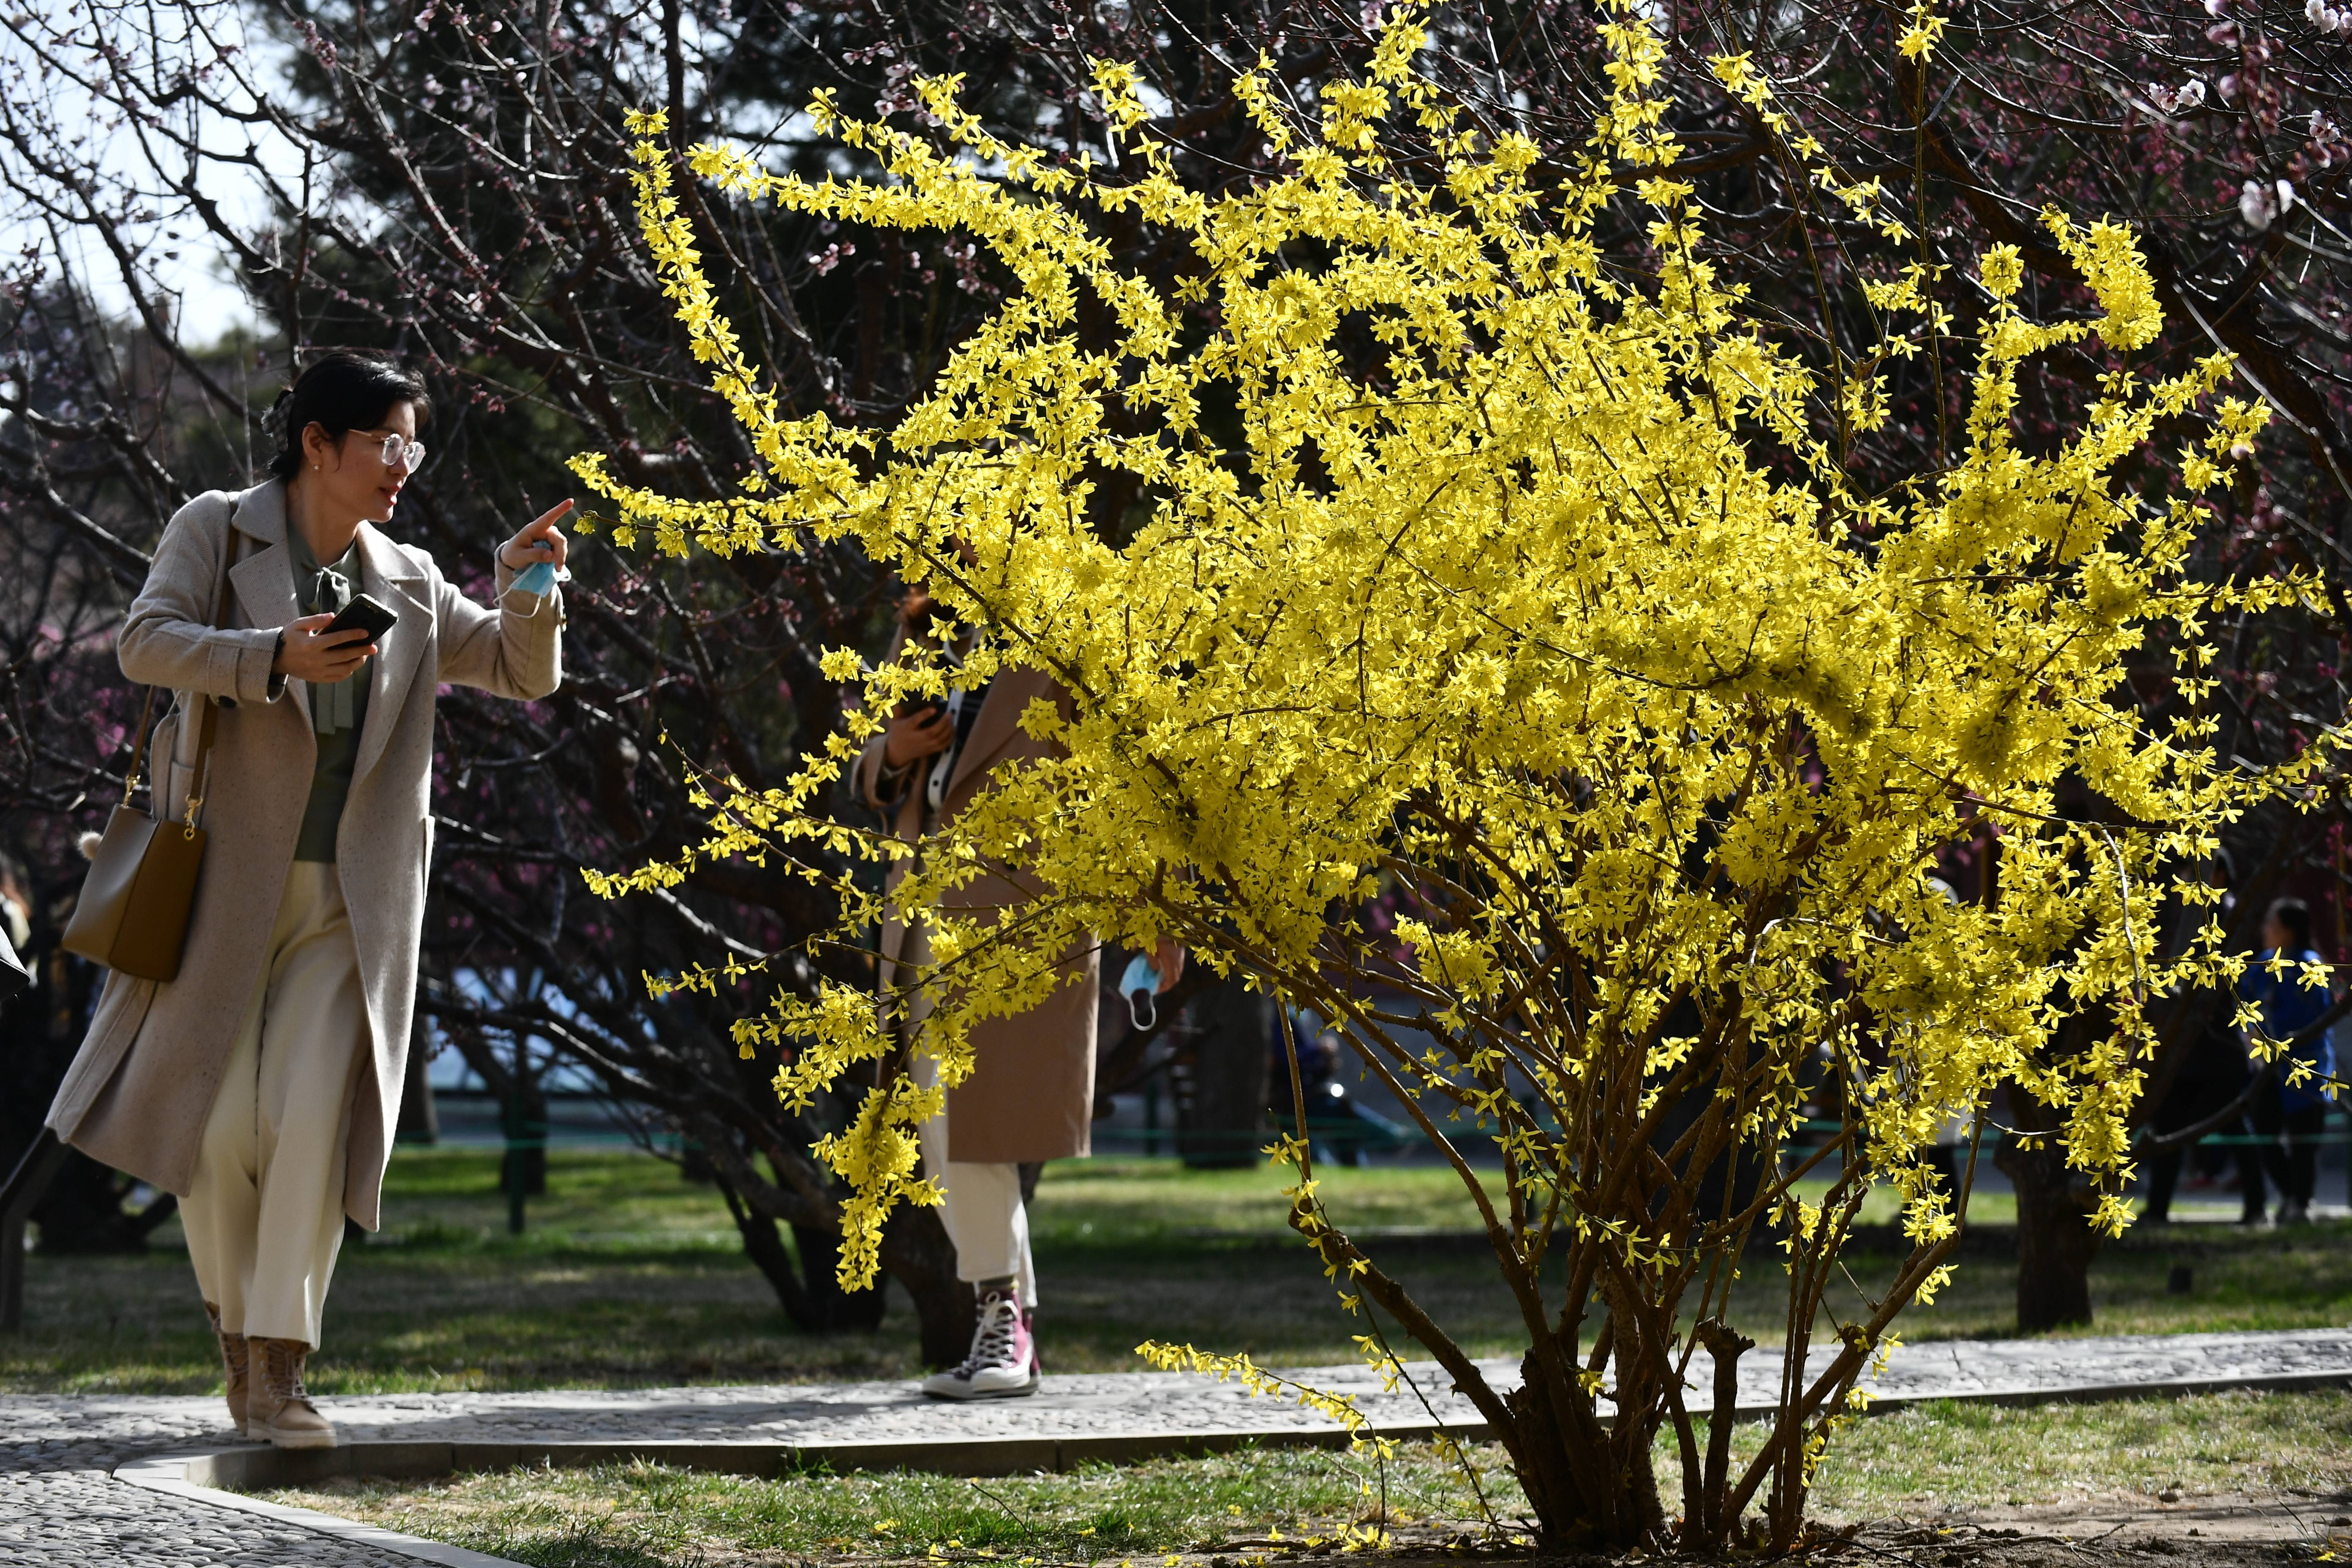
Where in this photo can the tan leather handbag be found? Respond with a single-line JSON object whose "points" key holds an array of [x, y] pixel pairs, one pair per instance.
{"points": [[132, 915]]}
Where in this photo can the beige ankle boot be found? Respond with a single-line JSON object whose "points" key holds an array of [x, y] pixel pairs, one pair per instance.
{"points": [[280, 1408], [236, 1360]]}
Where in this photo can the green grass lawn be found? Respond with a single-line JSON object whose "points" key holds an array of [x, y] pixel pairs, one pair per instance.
{"points": [[1913, 1463], [630, 1277]]}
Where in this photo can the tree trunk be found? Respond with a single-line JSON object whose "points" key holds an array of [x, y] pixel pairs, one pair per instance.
{"points": [[1540, 1460], [1579, 1494], [764, 1245], [1226, 1124], [834, 1308], [917, 1253], [2054, 1239], [524, 1115], [1705, 1526], [806, 1287], [420, 1118]]}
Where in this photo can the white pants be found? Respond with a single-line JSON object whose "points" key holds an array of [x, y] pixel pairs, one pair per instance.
{"points": [[981, 1204], [265, 1214]]}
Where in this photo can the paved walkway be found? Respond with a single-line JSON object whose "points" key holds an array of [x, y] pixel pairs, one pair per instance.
{"points": [[84, 1481]]}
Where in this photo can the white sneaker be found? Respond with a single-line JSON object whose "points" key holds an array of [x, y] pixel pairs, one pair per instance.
{"points": [[1003, 1360], [2294, 1213]]}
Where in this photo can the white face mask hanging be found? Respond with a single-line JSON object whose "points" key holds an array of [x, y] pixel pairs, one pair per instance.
{"points": [[1140, 986]]}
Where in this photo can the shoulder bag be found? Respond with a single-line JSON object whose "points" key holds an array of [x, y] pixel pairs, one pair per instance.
{"points": [[132, 915]]}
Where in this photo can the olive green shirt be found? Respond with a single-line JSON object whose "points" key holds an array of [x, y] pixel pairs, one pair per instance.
{"points": [[337, 711]]}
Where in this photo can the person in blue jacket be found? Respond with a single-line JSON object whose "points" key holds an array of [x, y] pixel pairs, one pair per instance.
{"points": [[2291, 1007]]}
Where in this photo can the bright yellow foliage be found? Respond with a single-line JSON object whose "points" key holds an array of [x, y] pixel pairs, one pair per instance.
{"points": [[1557, 605]]}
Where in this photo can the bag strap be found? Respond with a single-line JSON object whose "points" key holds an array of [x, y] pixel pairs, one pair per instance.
{"points": [[205, 734], [137, 748]]}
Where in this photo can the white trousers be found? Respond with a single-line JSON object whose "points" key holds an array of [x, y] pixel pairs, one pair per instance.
{"points": [[265, 1214], [980, 1204]]}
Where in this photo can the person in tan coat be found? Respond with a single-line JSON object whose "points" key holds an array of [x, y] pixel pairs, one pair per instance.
{"points": [[262, 1085], [1030, 1097]]}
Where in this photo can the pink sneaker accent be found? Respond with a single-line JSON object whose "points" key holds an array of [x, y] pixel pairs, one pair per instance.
{"points": [[1003, 1360]]}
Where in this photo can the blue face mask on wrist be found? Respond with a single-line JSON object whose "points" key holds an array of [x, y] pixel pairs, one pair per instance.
{"points": [[538, 580]]}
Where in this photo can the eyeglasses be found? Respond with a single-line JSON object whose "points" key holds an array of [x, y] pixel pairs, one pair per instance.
{"points": [[403, 454]]}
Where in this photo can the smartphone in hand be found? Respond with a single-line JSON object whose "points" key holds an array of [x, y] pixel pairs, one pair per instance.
{"points": [[362, 615]]}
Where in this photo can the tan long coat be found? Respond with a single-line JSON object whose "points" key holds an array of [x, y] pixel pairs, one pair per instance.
{"points": [[140, 1089], [1030, 1095]]}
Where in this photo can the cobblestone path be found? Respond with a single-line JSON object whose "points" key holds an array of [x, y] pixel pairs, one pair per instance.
{"points": [[60, 1506]]}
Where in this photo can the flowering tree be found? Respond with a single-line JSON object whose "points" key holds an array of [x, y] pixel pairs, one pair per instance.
{"points": [[1539, 586]]}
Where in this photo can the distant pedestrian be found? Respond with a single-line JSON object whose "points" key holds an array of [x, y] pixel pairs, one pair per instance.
{"points": [[2288, 1117]]}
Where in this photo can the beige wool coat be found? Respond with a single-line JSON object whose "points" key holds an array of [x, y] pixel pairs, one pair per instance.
{"points": [[140, 1089], [1031, 1094]]}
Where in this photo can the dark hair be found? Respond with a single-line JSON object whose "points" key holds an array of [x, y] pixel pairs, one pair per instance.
{"points": [[2295, 915], [341, 391]]}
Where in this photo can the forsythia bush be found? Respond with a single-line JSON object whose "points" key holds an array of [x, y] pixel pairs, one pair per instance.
{"points": [[1469, 566]]}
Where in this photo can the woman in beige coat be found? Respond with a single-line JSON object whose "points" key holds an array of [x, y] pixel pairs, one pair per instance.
{"points": [[262, 1085], [1030, 1097]]}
